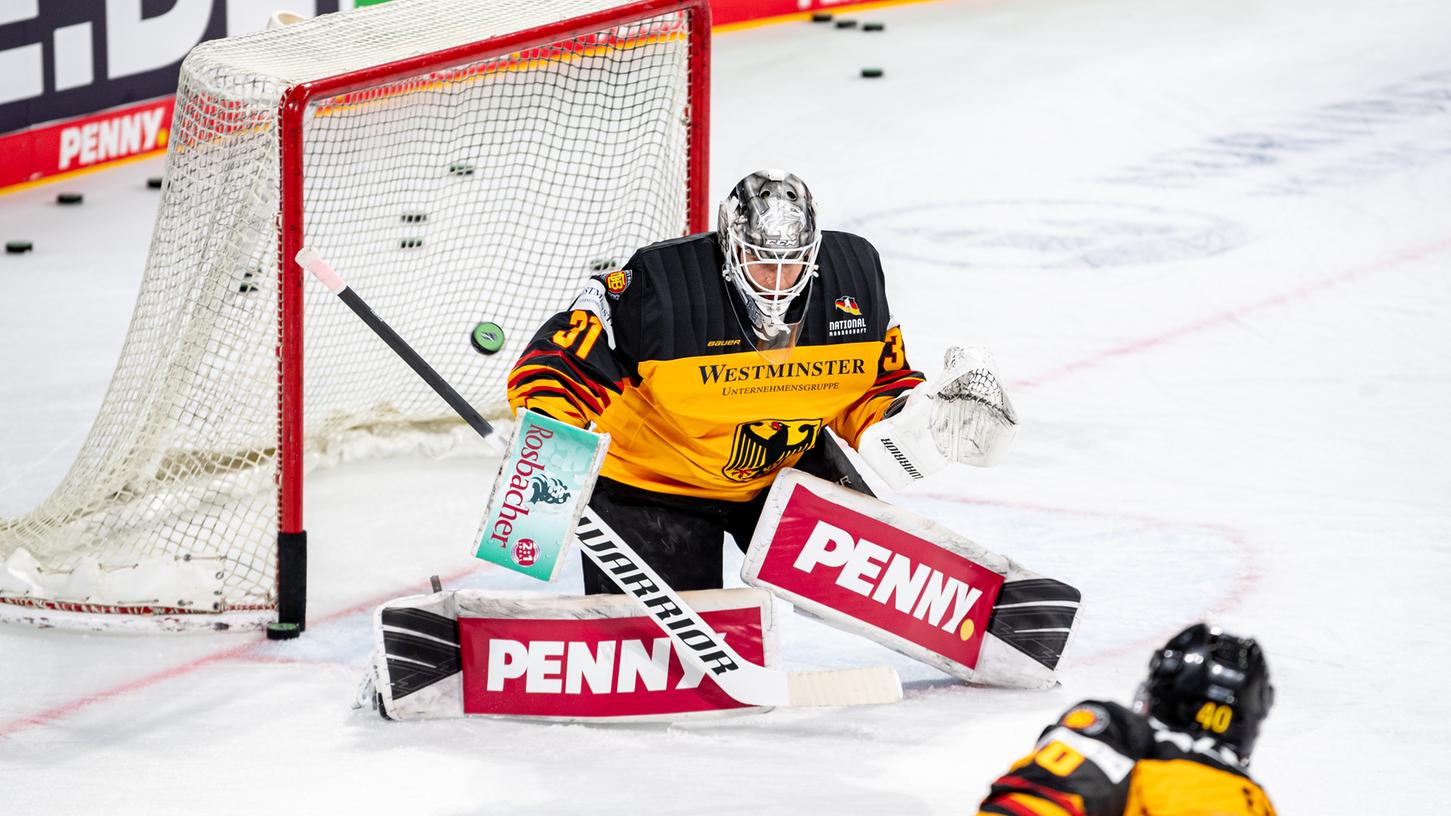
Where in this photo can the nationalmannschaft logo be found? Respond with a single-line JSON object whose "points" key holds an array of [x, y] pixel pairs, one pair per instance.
{"points": [[848, 304], [760, 447]]}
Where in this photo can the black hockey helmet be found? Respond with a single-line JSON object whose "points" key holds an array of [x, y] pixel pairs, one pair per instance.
{"points": [[1207, 682]]}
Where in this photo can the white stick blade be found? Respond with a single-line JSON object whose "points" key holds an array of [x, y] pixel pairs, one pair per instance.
{"points": [[871, 685]]}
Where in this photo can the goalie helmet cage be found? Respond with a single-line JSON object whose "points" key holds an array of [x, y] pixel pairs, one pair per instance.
{"points": [[464, 162]]}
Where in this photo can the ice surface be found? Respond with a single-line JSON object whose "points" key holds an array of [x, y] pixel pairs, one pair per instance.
{"points": [[1208, 243]]}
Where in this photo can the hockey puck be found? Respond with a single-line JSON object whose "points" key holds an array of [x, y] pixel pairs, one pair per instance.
{"points": [[410, 243], [283, 631], [821, 17], [69, 198], [874, 27], [603, 265], [414, 217], [846, 23], [154, 183], [871, 73], [487, 337], [17, 247], [461, 169]]}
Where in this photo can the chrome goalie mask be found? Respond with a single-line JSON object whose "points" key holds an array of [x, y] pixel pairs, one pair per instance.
{"points": [[768, 234]]}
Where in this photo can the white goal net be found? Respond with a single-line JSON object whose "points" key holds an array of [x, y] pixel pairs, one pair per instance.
{"points": [[483, 185]]}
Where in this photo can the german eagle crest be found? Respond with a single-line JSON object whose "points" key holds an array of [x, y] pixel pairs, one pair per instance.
{"points": [[760, 447]]}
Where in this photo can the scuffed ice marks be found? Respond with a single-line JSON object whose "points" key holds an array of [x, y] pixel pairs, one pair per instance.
{"points": [[1391, 129], [1048, 234]]}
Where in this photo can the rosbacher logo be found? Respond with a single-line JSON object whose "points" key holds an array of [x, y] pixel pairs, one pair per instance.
{"points": [[819, 368], [527, 465]]}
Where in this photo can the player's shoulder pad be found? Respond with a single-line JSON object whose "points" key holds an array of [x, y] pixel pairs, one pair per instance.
{"points": [[673, 274], [848, 238], [678, 254], [1110, 723], [1110, 736], [855, 245], [847, 260]]}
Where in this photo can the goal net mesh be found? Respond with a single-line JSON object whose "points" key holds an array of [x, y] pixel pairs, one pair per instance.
{"points": [[486, 191]]}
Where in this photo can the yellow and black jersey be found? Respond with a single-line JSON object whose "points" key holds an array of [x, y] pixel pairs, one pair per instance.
{"points": [[1100, 759], [660, 355]]}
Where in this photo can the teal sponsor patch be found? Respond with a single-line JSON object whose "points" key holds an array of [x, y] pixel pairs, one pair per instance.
{"points": [[542, 487]]}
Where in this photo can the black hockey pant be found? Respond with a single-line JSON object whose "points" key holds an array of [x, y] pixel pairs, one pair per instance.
{"points": [[681, 537]]}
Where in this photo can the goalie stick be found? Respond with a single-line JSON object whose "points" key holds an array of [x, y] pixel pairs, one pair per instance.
{"points": [[744, 681]]}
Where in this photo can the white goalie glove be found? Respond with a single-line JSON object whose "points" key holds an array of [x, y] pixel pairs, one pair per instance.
{"points": [[963, 416]]}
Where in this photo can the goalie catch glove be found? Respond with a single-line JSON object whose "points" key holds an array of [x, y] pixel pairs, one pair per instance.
{"points": [[963, 416]]}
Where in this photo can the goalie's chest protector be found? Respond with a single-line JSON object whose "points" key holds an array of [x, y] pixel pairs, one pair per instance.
{"points": [[708, 415]]}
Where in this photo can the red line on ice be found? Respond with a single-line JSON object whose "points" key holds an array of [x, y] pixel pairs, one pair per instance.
{"points": [[1211, 322], [52, 714], [1231, 316]]}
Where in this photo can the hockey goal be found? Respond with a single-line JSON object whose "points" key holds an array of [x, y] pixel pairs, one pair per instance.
{"points": [[461, 162]]}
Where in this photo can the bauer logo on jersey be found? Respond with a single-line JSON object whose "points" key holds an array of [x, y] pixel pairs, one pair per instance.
{"points": [[617, 282], [848, 304], [761, 447]]}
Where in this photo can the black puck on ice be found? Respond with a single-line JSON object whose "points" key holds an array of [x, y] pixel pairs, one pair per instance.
{"points": [[461, 169], [871, 73], [414, 217], [874, 27], [410, 243], [603, 265], [283, 631], [69, 198], [487, 337], [17, 247], [821, 17], [154, 183], [846, 23]]}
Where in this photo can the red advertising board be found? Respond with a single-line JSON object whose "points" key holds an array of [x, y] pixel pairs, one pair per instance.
{"points": [[881, 576], [67, 146], [597, 667], [728, 12], [79, 144]]}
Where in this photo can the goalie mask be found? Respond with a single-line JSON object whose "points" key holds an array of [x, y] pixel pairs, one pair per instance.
{"points": [[768, 234]]}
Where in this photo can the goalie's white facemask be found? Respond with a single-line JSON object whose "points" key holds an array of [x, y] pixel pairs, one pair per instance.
{"points": [[768, 234]]}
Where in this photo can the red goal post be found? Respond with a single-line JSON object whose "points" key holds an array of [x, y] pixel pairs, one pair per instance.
{"points": [[291, 534], [534, 151]]}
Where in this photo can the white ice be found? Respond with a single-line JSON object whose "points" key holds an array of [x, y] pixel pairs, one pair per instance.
{"points": [[1209, 243]]}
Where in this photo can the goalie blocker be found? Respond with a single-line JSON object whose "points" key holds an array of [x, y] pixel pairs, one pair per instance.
{"points": [[876, 570]]}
